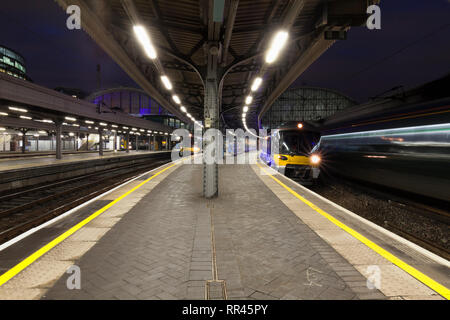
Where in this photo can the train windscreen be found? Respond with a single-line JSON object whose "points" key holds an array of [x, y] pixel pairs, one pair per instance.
{"points": [[298, 143]]}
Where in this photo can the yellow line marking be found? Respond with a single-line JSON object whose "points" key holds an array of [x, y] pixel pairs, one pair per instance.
{"points": [[439, 288], [8, 275]]}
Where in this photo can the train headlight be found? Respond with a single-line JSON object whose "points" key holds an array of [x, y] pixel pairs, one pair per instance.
{"points": [[300, 125], [315, 159]]}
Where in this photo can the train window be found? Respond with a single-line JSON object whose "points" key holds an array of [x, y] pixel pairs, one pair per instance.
{"points": [[298, 143]]}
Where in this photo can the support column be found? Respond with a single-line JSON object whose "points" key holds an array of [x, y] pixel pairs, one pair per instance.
{"points": [[149, 143], [58, 136], [115, 141], [137, 142], [167, 143], [211, 113], [37, 143], [76, 141], [24, 139], [154, 142], [127, 147], [100, 142]]}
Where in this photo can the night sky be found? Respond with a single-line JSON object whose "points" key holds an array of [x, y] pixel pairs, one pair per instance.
{"points": [[412, 47]]}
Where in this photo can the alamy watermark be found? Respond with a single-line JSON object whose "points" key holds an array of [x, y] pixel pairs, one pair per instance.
{"points": [[74, 20], [74, 280], [374, 20], [374, 277], [234, 147]]}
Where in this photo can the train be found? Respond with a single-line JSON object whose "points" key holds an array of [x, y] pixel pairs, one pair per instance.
{"points": [[289, 151], [401, 142]]}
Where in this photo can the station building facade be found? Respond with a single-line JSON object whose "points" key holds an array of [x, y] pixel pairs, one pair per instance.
{"points": [[135, 102], [305, 104]]}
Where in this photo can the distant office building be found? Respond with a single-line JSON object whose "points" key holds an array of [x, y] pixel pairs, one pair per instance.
{"points": [[12, 63]]}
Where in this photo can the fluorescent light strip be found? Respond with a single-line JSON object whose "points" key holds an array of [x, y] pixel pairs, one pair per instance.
{"points": [[256, 83], [166, 82], [17, 109], [277, 44], [144, 39], [176, 99]]}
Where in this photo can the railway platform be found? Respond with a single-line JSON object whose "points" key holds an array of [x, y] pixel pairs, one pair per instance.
{"points": [[48, 160], [263, 237]]}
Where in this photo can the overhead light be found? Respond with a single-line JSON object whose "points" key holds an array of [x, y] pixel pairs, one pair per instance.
{"points": [[125, 128], [189, 115], [176, 99], [248, 100], [245, 109], [42, 132], [166, 82], [114, 126], [103, 124], [71, 134], [2, 129], [70, 119], [277, 44], [25, 117], [300, 125], [183, 109], [142, 130], [89, 122], [144, 39], [17, 109], [3, 114], [96, 128], [256, 83], [149, 131], [134, 129]]}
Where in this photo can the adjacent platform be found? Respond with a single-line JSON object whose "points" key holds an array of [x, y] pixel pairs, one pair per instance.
{"points": [[264, 237], [45, 160]]}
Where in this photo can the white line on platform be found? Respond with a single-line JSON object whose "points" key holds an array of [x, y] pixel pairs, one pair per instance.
{"points": [[62, 216]]}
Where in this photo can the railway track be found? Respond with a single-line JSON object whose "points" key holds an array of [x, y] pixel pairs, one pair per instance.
{"points": [[25, 209], [422, 223]]}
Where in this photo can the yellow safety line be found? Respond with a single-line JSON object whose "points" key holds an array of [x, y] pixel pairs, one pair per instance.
{"points": [[439, 288], [8, 275]]}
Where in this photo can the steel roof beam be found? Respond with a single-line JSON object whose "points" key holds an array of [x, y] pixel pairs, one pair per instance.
{"points": [[93, 25], [315, 49], [229, 29]]}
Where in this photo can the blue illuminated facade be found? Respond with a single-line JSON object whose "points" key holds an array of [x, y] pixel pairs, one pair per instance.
{"points": [[137, 103]]}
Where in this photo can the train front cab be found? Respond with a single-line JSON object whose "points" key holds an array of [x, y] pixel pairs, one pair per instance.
{"points": [[294, 158]]}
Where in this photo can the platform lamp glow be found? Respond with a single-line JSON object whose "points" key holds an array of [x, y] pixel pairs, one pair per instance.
{"points": [[277, 44], [166, 81], [144, 39], [176, 99], [256, 83]]}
